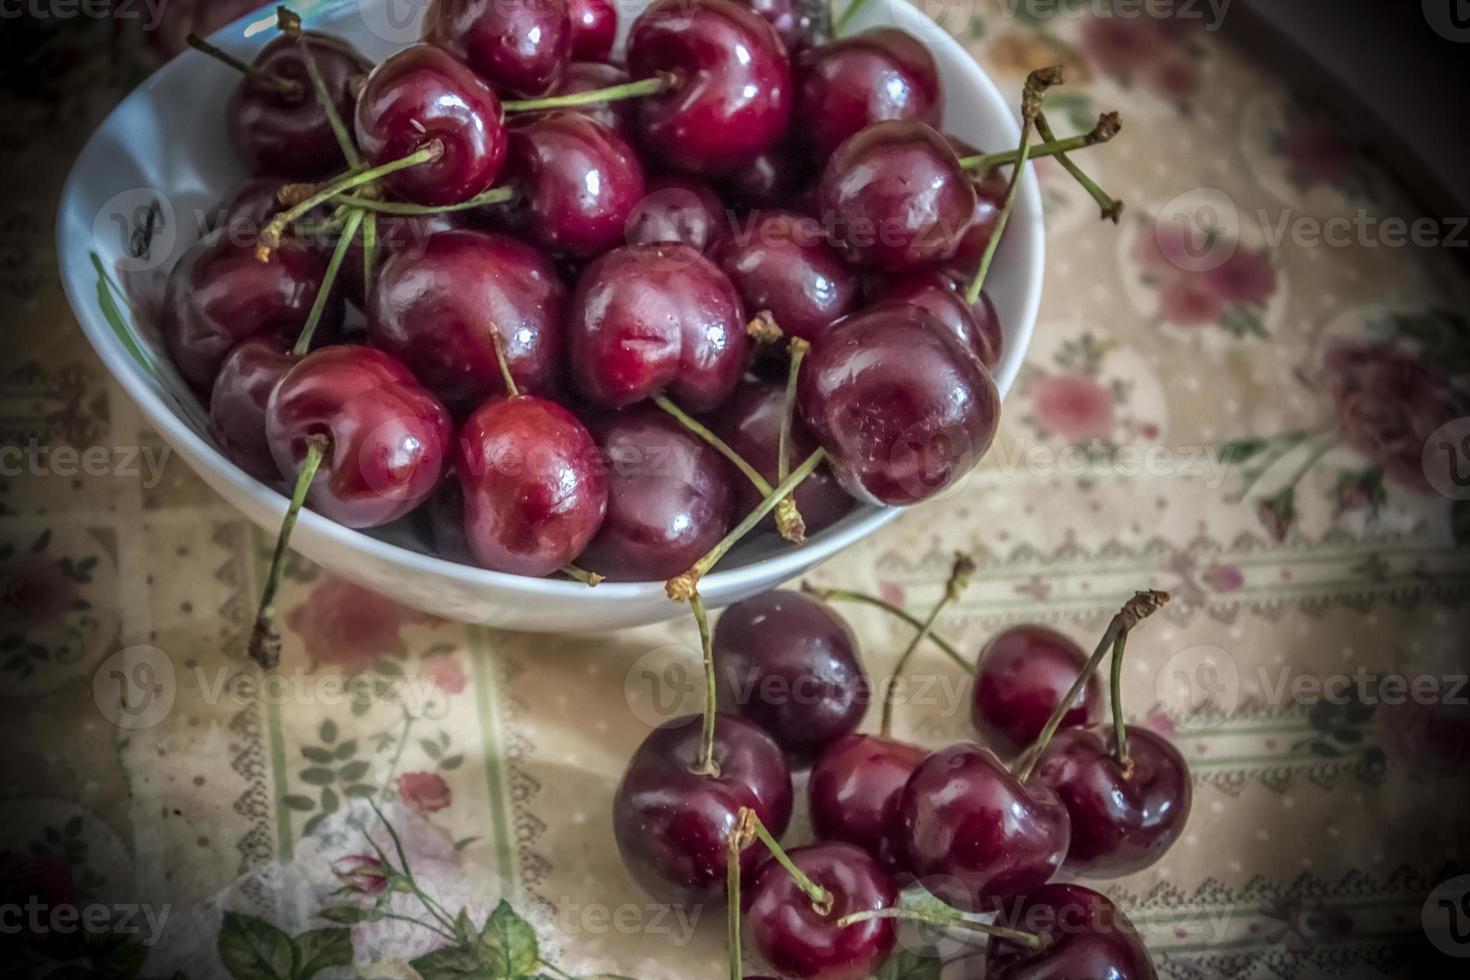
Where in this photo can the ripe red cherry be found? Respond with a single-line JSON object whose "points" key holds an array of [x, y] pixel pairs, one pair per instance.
{"points": [[731, 97], [533, 485], [287, 134], [389, 438], [673, 826], [646, 319], [787, 18], [578, 182], [237, 404], [247, 208], [750, 423], [422, 94], [1089, 937], [520, 46], [849, 84], [670, 498], [901, 408], [855, 790], [799, 941], [678, 209], [396, 234], [1121, 822], [790, 664], [219, 294], [1023, 674], [435, 312], [780, 261], [894, 197], [990, 197], [594, 28], [592, 76], [976, 327], [973, 834]]}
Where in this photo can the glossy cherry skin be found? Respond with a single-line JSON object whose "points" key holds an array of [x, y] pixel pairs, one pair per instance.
{"points": [[670, 498], [288, 135], [533, 484], [592, 76], [750, 423], [974, 835], [797, 940], [1121, 823], [780, 261], [520, 47], [732, 97], [1023, 674], [237, 404], [855, 790], [791, 665], [673, 826], [976, 327], [847, 85], [406, 234], [895, 197], [389, 437], [219, 294], [434, 312], [901, 408], [421, 94], [787, 18], [578, 182], [594, 28], [646, 319], [1090, 937], [678, 209]]}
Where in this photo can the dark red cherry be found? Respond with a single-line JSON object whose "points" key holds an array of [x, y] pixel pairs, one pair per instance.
{"points": [[847, 85], [389, 438], [1121, 822], [901, 408], [791, 665], [750, 423], [780, 261], [990, 197], [894, 197], [670, 498], [646, 319], [673, 826], [1089, 937], [731, 97], [974, 835], [787, 17], [591, 76], [678, 209], [519, 46], [219, 294], [772, 179], [799, 941], [422, 94], [1023, 674], [976, 327], [533, 485], [287, 135], [855, 790], [247, 208], [594, 28], [435, 312], [406, 234], [237, 404], [578, 181]]}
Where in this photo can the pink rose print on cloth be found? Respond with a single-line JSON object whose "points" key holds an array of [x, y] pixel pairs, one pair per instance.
{"points": [[1159, 53], [425, 792], [344, 624], [1303, 154], [444, 671], [1073, 406]]}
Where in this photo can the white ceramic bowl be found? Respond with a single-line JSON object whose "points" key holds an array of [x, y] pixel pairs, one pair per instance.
{"points": [[165, 148]]}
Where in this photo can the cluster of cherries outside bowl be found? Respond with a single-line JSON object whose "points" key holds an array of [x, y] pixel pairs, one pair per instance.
{"points": [[615, 318]]}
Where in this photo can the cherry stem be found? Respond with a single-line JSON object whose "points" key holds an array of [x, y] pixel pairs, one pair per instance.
{"points": [[589, 579], [763, 328], [265, 639], [1136, 609], [788, 519], [495, 195], [289, 24], [627, 90], [849, 595], [682, 587], [329, 278], [706, 764], [1112, 208], [502, 358], [1108, 125], [369, 250], [739, 839], [1120, 728], [821, 897], [797, 349], [285, 87], [270, 236], [959, 577], [948, 919]]}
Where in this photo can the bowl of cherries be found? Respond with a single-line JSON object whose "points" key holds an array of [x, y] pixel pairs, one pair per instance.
{"points": [[524, 297]]}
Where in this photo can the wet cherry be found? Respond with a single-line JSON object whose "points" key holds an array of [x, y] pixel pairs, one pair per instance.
{"points": [[849, 84], [976, 327], [594, 28], [1023, 674], [1088, 936], [237, 404], [519, 47], [678, 209], [780, 262], [855, 790]]}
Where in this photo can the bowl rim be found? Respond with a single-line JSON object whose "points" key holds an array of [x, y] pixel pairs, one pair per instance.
{"points": [[210, 464]]}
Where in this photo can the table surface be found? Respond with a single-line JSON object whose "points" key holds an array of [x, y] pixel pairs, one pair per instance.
{"points": [[1243, 428]]}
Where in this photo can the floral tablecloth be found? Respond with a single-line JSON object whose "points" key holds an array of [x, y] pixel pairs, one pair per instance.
{"points": [[1217, 403]]}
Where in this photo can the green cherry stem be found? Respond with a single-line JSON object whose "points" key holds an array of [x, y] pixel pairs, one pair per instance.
{"points": [[495, 195], [1112, 208], [797, 349], [848, 13], [289, 24], [821, 897], [1120, 727], [959, 577], [265, 638], [706, 766], [329, 278], [369, 251], [740, 838], [1108, 126], [849, 595], [628, 90], [947, 919], [285, 87]]}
